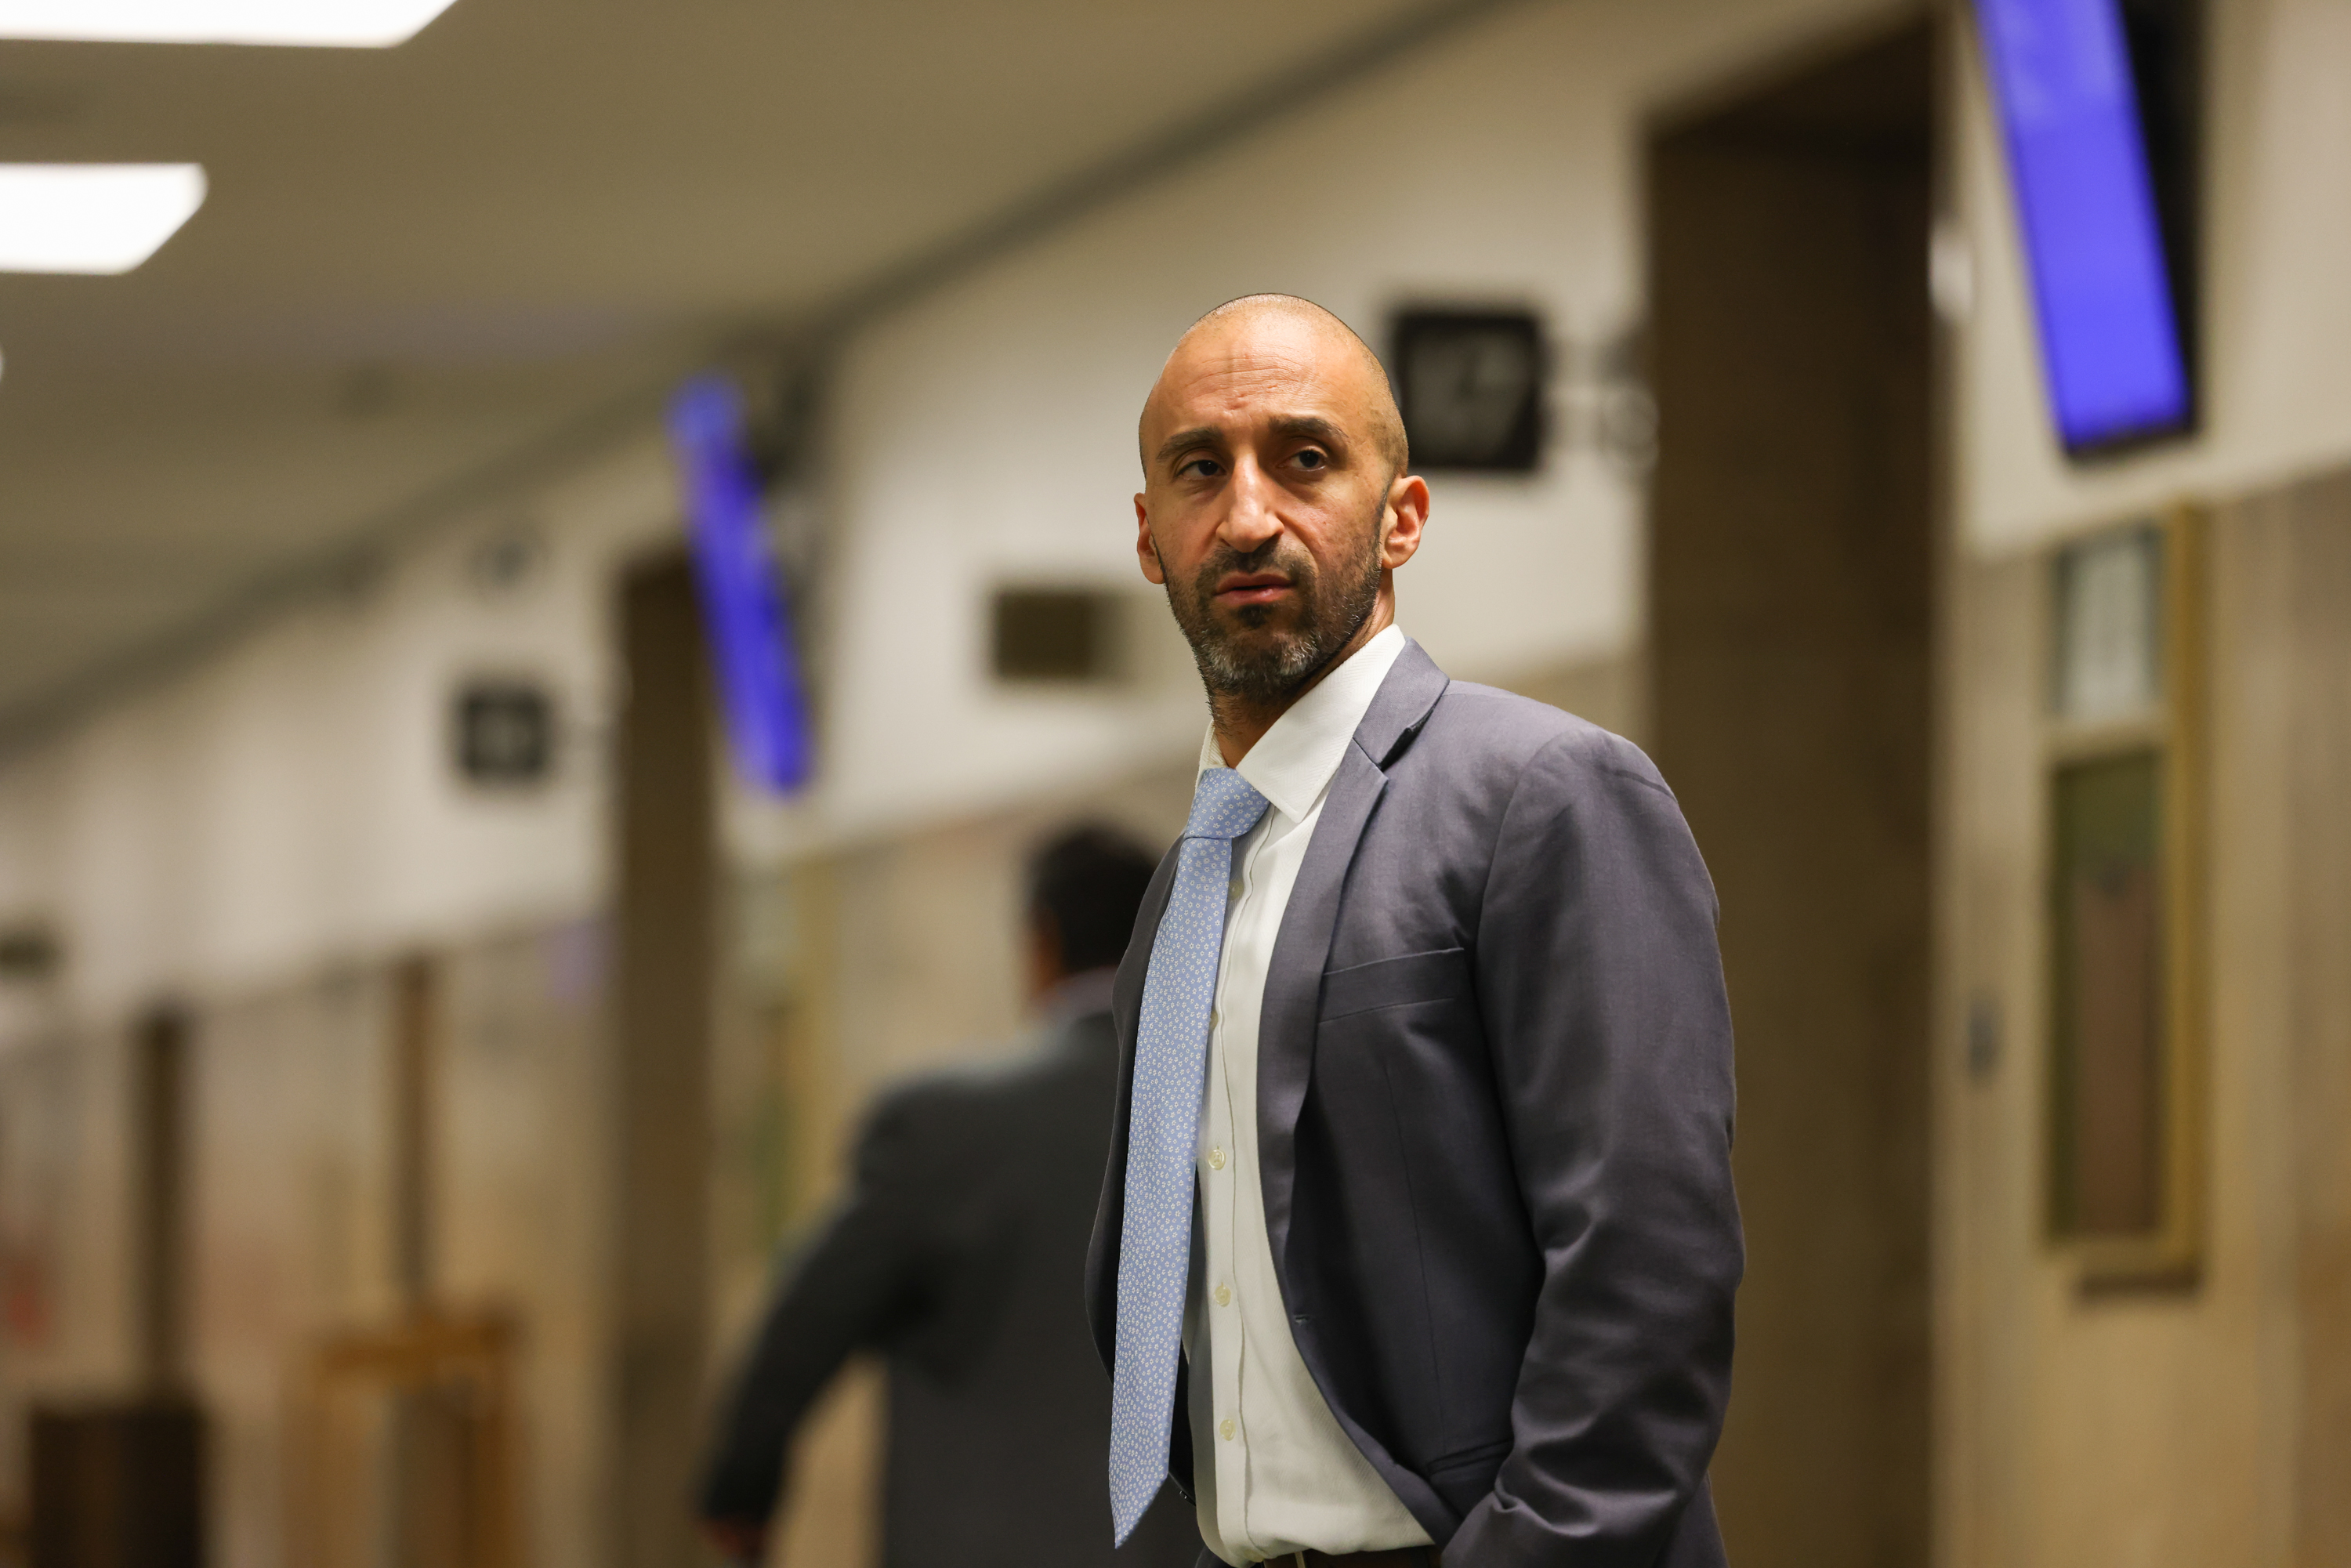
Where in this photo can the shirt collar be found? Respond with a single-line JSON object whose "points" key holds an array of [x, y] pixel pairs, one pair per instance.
{"points": [[1293, 762]]}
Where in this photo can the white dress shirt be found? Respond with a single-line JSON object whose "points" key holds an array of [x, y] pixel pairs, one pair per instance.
{"points": [[1273, 1470]]}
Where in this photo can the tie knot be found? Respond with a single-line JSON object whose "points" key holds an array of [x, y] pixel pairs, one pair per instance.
{"points": [[1224, 806]]}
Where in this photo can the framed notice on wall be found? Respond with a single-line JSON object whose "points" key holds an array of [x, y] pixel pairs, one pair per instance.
{"points": [[2124, 830]]}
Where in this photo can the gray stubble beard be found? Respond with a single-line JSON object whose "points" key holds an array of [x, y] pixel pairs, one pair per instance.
{"points": [[1231, 675]]}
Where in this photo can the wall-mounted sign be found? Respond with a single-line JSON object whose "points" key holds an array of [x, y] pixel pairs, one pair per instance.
{"points": [[29, 952], [744, 612], [2087, 202], [2109, 639], [1470, 385], [2124, 743], [503, 731], [1065, 634]]}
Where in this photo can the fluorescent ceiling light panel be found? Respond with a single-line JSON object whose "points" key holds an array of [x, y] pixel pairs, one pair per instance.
{"points": [[92, 217], [343, 24]]}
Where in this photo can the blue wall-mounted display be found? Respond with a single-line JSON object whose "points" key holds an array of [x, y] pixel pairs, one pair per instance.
{"points": [[2110, 336], [745, 616]]}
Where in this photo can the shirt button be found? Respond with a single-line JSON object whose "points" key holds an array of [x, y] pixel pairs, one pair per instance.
{"points": [[1226, 1429], [1224, 1296], [1217, 1158], [1215, 1017]]}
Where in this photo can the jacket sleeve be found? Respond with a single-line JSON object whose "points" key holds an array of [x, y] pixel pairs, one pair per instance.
{"points": [[1602, 990], [855, 1284]]}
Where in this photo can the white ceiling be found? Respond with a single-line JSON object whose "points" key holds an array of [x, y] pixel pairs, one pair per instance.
{"points": [[416, 261]]}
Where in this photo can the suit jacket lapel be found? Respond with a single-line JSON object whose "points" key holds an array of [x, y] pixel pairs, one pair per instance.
{"points": [[1293, 979]]}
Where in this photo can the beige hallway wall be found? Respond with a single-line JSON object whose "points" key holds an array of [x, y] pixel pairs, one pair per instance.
{"points": [[2183, 1426]]}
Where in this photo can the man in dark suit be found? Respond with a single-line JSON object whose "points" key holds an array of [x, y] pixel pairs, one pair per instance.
{"points": [[1417, 1236], [959, 1253]]}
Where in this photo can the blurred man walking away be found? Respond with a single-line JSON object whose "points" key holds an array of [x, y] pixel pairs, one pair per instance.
{"points": [[960, 1254], [1443, 960]]}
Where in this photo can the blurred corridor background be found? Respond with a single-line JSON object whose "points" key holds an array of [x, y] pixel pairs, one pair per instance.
{"points": [[429, 1000]]}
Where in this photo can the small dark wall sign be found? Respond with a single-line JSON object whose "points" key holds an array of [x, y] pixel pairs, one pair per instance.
{"points": [[1470, 383], [27, 952], [1050, 634], [504, 731]]}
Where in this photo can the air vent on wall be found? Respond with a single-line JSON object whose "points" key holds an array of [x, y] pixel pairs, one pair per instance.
{"points": [[1084, 638], [1059, 634], [29, 952]]}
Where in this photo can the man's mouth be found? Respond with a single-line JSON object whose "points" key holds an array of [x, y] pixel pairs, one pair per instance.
{"points": [[1241, 589]]}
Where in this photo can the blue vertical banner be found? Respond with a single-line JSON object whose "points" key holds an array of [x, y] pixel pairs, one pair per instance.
{"points": [[2110, 348], [745, 616]]}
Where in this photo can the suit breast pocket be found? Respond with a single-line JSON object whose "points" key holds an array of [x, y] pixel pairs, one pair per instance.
{"points": [[1440, 976]]}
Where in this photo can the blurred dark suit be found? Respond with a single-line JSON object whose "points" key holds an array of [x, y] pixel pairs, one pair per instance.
{"points": [[960, 1254]]}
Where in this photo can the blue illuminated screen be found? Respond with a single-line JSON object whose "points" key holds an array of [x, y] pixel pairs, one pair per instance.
{"points": [[2109, 337], [744, 612]]}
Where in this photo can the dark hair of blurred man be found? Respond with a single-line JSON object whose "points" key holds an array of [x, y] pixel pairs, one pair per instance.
{"points": [[958, 1255]]}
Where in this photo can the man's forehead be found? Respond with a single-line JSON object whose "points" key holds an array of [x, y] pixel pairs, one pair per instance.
{"points": [[1247, 390], [1243, 369]]}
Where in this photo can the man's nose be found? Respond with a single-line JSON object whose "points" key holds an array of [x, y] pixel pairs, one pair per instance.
{"points": [[1250, 520]]}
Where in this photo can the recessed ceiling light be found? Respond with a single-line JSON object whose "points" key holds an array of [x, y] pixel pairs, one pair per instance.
{"points": [[346, 24], [92, 217]]}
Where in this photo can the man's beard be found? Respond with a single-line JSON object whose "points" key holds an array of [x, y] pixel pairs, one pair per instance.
{"points": [[1245, 652]]}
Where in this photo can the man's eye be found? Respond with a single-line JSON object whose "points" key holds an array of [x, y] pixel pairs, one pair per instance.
{"points": [[1310, 458], [1204, 467]]}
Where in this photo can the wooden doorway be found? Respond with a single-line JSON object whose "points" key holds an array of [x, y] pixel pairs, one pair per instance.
{"points": [[1792, 592], [666, 900]]}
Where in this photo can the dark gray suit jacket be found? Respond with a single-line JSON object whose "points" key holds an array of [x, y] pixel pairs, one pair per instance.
{"points": [[1494, 1105], [958, 1253]]}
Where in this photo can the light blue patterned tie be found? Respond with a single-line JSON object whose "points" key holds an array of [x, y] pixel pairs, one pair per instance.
{"points": [[1171, 1055]]}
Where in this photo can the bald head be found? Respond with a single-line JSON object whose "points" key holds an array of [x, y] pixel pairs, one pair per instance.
{"points": [[1275, 509], [1285, 328]]}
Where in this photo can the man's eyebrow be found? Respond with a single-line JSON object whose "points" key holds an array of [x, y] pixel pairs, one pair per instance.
{"points": [[1310, 427], [1185, 440], [1290, 427]]}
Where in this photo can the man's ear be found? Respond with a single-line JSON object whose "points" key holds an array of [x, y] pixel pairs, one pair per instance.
{"points": [[1144, 550], [1407, 515]]}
